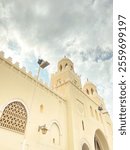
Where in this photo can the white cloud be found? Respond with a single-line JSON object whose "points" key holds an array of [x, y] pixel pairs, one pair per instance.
{"points": [[81, 30]]}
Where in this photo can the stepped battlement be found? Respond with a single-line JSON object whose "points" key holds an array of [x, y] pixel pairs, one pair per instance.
{"points": [[16, 65]]}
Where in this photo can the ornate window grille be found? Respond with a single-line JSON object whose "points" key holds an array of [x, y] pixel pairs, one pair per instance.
{"points": [[14, 117]]}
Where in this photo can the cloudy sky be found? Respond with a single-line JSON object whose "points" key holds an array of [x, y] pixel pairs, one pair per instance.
{"points": [[52, 29]]}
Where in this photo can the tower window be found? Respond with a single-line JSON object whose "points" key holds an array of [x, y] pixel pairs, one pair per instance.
{"points": [[83, 125], [60, 67], [71, 67], [92, 91], [87, 91], [66, 65]]}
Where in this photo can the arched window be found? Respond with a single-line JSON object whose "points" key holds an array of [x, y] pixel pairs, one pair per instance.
{"points": [[100, 142], [85, 147], [60, 67], [14, 117], [41, 108], [66, 65], [83, 125], [92, 91], [71, 67], [87, 91], [54, 140]]}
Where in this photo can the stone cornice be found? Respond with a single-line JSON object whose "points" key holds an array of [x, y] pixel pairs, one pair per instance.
{"points": [[79, 89]]}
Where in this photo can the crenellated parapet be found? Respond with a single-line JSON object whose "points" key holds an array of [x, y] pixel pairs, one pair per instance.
{"points": [[15, 65], [23, 72]]}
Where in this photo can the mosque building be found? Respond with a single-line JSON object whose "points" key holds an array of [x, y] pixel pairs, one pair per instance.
{"points": [[64, 116]]}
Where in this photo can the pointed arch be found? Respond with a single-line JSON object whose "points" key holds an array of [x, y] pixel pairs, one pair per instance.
{"points": [[55, 133], [85, 147], [57, 124], [92, 90], [84, 144], [14, 117], [100, 142]]}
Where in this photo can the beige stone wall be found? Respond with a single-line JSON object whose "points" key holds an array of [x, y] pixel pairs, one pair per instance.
{"points": [[70, 114], [84, 118], [80, 111], [16, 85]]}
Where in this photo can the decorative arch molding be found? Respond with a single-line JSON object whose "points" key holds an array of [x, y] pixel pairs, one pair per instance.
{"points": [[100, 138], [85, 147], [84, 141], [57, 124], [2, 107], [54, 132], [14, 116]]}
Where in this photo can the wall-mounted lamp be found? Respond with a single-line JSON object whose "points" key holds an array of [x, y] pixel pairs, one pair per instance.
{"points": [[43, 129], [100, 108]]}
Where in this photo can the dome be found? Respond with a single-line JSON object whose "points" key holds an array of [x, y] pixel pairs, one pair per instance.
{"points": [[65, 64], [89, 83], [65, 59], [89, 88]]}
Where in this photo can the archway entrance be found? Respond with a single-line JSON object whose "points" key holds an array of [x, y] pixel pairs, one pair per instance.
{"points": [[100, 142], [85, 147], [96, 144]]}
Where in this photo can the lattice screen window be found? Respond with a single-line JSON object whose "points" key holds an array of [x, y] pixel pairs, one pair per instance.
{"points": [[14, 117]]}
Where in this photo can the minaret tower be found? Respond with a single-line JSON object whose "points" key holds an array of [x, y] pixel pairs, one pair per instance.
{"points": [[65, 73], [85, 109], [66, 83]]}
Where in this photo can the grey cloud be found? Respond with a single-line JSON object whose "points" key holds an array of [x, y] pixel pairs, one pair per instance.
{"points": [[13, 45], [97, 54], [80, 29], [62, 20]]}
